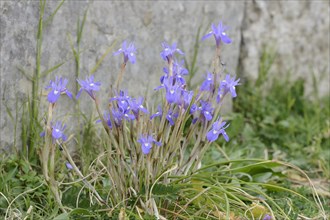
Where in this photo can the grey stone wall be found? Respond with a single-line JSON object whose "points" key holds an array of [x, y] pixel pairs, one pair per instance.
{"points": [[299, 33], [299, 30]]}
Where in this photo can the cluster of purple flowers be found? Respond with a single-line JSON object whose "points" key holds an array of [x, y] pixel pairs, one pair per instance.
{"points": [[204, 111], [124, 107], [227, 85]]}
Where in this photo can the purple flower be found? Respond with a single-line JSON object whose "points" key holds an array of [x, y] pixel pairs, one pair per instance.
{"points": [[208, 84], [146, 143], [217, 128], [106, 117], [227, 85], [117, 117], [168, 52], [136, 106], [120, 114], [186, 98], [58, 131], [178, 73], [219, 34], [206, 110], [179, 69], [170, 116], [68, 166], [173, 91], [122, 100], [129, 52], [159, 113], [267, 217], [193, 108], [57, 88], [89, 86]]}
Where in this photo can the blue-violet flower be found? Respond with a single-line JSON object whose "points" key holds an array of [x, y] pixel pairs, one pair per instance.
{"points": [[217, 128], [57, 88], [267, 217], [122, 100], [58, 131], [68, 166], [173, 91], [159, 113], [208, 84], [168, 52], [136, 106], [146, 143], [206, 110], [128, 51], [89, 86], [227, 85], [170, 115], [219, 34]]}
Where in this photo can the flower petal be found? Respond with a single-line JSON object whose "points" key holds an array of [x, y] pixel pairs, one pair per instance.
{"points": [[53, 96], [207, 36], [225, 39]]}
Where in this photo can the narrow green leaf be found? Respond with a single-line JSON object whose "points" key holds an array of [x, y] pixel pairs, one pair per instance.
{"points": [[21, 70], [50, 18], [9, 113], [45, 73], [81, 28]]}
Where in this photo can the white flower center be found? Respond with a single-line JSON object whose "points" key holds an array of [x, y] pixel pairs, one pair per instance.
{"points": [[57, 130], [55, 92], [91, 84], [206, 113], [141, 106], [214, 132], [171, 91], [132, 54], [223, 33], [146, 144]]}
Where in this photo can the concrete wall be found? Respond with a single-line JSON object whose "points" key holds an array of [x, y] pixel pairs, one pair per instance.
{"points": [[298, 30]]}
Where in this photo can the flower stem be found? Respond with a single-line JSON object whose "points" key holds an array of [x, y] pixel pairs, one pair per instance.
{"points": [[120, 75]]}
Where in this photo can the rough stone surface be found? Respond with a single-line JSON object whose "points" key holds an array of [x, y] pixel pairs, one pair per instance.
{"points": [[299, 30]]}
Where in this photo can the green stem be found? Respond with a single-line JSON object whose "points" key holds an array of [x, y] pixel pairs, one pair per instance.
{"points": [[120, 75], [30, 148], [76, 169]]}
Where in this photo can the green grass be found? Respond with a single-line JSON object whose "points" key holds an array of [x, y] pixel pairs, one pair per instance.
{"points": [[273, 119], [263, 125]]}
